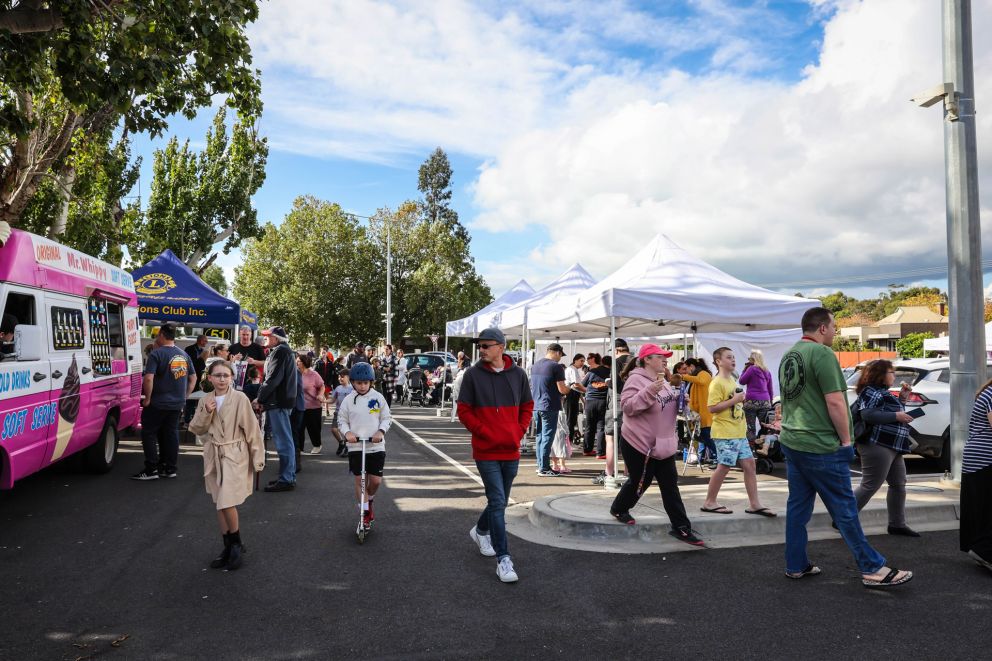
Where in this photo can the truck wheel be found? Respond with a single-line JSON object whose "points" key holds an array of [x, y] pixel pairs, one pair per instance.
{"points": [[100, 457], [945, 452]]}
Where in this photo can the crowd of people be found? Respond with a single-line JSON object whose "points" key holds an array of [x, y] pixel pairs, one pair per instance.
{"points": [[254, 392]]}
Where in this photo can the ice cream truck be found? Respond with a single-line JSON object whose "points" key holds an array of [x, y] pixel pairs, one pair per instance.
{"points": [[70, 375]]}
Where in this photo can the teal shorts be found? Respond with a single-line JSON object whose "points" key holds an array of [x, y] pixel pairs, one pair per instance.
{"points": [[730, 450]]}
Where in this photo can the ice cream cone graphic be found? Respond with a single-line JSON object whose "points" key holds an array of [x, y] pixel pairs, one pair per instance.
{"points": [[68, 410]]}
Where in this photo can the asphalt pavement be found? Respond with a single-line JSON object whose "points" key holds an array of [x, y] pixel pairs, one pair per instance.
{"points": [[102, 567]]}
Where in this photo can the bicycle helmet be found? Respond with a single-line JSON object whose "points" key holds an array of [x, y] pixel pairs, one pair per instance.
{"points": [[362, 372]]}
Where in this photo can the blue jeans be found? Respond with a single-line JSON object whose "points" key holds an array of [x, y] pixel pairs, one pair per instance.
{"points": [[497, 477], [707, 442], [547, 425], [282, 434], [828, 475]]}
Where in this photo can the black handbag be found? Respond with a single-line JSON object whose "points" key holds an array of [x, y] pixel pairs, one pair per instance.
{"points": [[862, 430]]}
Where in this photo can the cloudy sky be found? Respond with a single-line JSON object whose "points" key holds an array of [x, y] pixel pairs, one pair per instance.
{"points": [[774, 138]]}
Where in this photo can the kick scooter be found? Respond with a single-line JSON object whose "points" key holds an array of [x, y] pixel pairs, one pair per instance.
{"points": [[363, 530]]}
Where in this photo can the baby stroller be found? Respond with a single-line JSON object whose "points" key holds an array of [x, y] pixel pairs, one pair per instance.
{"points": [[416, 386], [766, 448]]}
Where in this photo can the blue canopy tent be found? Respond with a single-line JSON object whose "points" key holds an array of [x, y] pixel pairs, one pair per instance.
{"points": [[168, 290]]}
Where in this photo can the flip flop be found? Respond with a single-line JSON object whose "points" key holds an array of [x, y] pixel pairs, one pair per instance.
{"points": [[764, 511], [717, 510], [811, 570], [889, 580]]}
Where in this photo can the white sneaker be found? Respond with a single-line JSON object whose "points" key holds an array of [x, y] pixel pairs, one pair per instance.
{"points": [[316, 450], [504, 569], [484, 542]]}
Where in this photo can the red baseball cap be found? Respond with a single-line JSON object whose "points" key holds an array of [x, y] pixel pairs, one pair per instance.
{"points": [[653, 350]]}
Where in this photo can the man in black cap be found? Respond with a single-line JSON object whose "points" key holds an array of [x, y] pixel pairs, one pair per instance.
{"points": [[547, 385], [278, 397], [495, 405], [356, 356]]}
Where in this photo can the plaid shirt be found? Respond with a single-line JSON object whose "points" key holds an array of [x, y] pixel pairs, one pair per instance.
{"points": [[894, 435], [389, 364]]}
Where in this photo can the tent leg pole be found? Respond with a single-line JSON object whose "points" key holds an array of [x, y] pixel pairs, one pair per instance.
{"points": [[613, 481], [444, 377]]}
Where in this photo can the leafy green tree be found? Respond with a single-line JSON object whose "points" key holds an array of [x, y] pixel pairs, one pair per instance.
{"points": [[315, 275], [434, 183], [89, 65], [213, 275], [911, 346], [201, 199], [82, 203], [846, 344], [433, 276]]}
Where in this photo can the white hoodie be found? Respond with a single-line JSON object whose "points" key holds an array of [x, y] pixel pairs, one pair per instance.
{"points": [[364, 415]]}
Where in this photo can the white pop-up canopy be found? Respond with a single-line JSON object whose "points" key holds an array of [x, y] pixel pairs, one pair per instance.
{"points": [[663, 289], [470, 326], [513, 319], [943, 344]]}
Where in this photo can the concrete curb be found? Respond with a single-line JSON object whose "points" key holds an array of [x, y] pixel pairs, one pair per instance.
{"points": [[581, 521]]}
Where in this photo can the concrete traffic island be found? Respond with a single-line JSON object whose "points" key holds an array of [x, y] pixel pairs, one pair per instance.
{"points": [[582, 521]]}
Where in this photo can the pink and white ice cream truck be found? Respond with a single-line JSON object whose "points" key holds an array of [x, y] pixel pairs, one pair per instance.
{"points": [[71, 378]]}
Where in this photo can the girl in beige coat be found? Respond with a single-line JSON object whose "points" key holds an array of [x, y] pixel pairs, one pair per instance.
{"points": [[232, 453]]}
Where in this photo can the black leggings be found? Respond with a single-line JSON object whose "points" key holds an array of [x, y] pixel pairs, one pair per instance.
{"points": [[595, 425], [572, 413], [311, 422], [662, 470]]}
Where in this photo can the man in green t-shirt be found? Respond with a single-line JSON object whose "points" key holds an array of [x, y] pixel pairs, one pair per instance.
{"points": [[816, 439]]}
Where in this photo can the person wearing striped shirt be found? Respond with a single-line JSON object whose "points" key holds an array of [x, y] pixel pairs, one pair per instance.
{"points": [[976, 482]]}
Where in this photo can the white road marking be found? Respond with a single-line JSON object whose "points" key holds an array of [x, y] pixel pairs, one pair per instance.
{"points": [[433, 449]]}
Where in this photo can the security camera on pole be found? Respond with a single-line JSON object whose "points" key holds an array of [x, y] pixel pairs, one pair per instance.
{"points": [[964, 247]]}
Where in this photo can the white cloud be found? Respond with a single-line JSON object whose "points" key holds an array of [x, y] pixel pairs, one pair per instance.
{"points": [[773, 181]]}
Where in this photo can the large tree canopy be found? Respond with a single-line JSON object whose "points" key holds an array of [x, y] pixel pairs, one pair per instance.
{"points": [[93, 65], [201, 199]]}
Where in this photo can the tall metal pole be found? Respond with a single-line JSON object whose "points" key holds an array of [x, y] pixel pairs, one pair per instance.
{"points": [[964, 249], [389, 289]]}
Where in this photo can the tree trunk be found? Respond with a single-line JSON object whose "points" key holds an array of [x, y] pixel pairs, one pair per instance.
{"points": [[66, 180]]}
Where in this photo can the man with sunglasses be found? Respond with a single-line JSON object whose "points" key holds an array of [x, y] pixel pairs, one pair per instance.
{"points": [[495, 405]]}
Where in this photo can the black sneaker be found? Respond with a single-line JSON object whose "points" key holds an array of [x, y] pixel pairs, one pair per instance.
{"points": [[168, 473], [280, 486], [146, 475], [548, 473], [686, 535], [623, 517]]}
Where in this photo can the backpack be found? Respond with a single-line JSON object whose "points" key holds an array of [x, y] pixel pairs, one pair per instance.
{"points": [[862, 430]]}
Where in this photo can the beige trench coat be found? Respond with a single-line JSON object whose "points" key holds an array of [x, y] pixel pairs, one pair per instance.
{"points": [[232, 448]]}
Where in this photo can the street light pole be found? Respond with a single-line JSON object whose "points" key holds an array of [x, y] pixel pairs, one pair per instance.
{"points": [[389, 288], [964, 249]]}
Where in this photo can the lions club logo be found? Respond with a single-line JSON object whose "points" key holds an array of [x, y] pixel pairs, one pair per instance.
{"points": [[154, 283], [793, 375]]}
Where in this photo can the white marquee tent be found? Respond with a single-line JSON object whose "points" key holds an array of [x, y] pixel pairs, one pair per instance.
{"points": [[470, 325], [943, 344], [512, 320], [662, 290]]}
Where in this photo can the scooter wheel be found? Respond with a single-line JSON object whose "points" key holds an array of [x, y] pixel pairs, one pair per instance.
{"points": [[361, 536]]}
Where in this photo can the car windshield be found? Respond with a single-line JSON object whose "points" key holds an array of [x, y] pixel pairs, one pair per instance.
{"points": [[908, 375]]}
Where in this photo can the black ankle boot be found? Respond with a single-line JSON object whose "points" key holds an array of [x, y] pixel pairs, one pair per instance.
{"points": [[237, 550], [221, 561]]}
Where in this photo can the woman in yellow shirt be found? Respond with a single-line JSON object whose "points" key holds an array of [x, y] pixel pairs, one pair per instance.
{"points": [[699, 394]]}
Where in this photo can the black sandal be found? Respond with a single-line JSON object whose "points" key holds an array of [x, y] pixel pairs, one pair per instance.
{"points": [[889, 580]]}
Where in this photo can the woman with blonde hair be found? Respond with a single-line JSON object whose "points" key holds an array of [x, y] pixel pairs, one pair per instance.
{"points": [[232, 453], [759, 396]]}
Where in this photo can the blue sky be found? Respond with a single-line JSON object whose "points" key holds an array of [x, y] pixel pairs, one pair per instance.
{"points": [[730, 126]]}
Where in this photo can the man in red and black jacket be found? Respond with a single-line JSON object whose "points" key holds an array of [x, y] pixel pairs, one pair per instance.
{"points": [[495, 405]]}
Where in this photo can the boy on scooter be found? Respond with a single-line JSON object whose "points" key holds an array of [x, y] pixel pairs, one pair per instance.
{"points": [[364, 414]]}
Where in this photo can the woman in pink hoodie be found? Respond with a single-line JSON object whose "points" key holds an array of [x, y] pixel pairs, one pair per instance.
{"points": [[649, 441]]}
